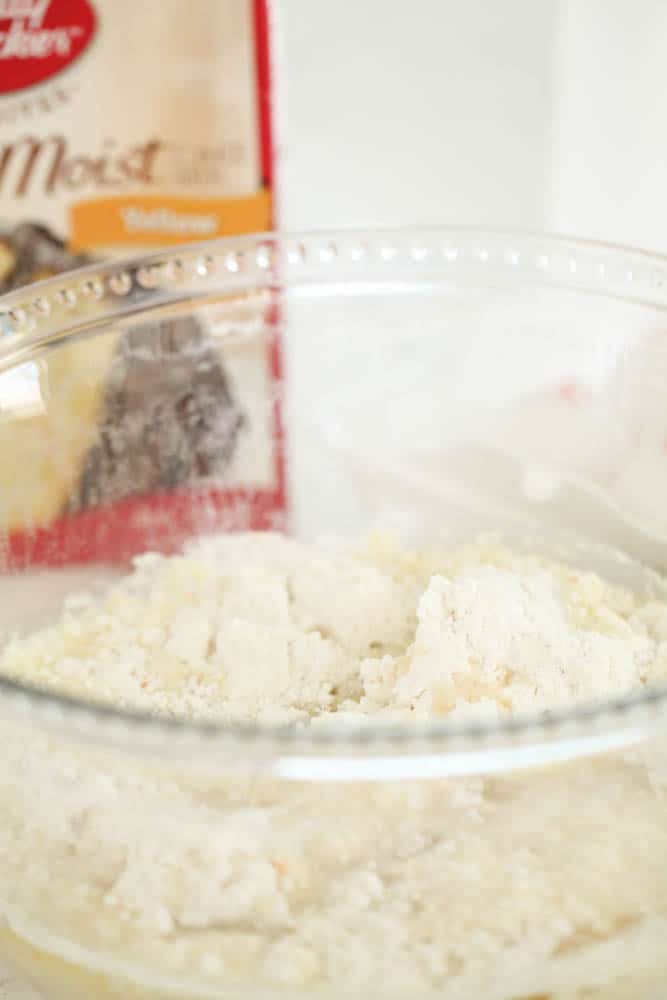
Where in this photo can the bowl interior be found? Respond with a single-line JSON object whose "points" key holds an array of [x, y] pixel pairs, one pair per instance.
{"points": [[433, 386]]}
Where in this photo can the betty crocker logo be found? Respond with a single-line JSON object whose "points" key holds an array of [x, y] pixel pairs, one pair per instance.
{"points": [[39, 38]]}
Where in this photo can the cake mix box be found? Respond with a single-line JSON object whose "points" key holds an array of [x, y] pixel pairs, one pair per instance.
{"points": [[127, 127]]}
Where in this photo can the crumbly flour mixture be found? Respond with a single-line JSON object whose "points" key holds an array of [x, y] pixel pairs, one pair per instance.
{"points": [[549, 884], [261, 627]]}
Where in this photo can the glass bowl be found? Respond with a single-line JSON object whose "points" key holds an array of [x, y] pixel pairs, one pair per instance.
{"points": [[431, 385]]}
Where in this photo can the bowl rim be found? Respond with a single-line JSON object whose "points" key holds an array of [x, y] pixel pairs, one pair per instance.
{"points": [[45, 308], [37, 313]]}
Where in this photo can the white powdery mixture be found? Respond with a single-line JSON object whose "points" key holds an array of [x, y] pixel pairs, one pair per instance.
{"points": [[262, 627], [530, 884]]}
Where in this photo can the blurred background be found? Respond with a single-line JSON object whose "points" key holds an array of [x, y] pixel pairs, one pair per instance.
{"points": [[540, 114]]}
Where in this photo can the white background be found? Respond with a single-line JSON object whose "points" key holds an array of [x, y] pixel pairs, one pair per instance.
{"points": [[546, 114]]}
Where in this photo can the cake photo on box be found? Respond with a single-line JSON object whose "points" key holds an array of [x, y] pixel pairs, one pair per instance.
{"points": [[138, 437], [167, 416], [30, 252], [127, 414]]}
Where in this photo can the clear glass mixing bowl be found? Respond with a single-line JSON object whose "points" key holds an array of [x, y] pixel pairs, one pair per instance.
{"points": [[436, 384]]}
